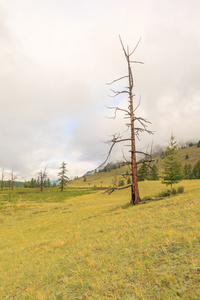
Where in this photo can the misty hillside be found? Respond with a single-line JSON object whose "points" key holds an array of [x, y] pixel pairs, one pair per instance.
{"points": [[189, 155]]}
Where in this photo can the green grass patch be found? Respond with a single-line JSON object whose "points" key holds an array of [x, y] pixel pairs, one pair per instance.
{"points": [[49, 195]]}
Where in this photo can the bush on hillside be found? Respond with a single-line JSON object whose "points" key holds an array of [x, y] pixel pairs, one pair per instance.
{"points": [[163, 194], [174, 191], [167, 193], [180, 189], [121, 182], [129, 180]]}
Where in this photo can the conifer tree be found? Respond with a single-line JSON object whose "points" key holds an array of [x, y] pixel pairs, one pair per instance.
{"points": [[187, 170], [48, 183], [154, 173], [63, 177], [196, 170], [172, 166], [143, 172]]}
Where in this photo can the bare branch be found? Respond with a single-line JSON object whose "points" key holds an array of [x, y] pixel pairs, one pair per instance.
{"points": [[111, 190], [136, 46], [141, 120], [123, 47], [136, 62], [143, 162], [113, 142], [117, 108], [141, 152], [128, 162], [137, 105], [118, 93], [109, 83]]}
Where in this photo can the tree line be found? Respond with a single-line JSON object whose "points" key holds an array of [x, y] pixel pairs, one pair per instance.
{"points": [[188, 172], [41, 182], [36, 183]]}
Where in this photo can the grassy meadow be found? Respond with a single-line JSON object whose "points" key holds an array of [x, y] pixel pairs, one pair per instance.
{"points": [[83, 244]]}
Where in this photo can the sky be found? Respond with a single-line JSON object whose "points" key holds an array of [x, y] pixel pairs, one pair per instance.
{"points": [[56, 57]]}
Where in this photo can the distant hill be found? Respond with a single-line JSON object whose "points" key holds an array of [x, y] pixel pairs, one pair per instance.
{"points": [[105, 177], [189, 155]]}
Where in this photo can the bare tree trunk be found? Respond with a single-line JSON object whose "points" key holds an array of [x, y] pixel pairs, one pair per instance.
{"points": [[2, 179], [42, 175], [41, 182], [134, 184], [12, 181]]}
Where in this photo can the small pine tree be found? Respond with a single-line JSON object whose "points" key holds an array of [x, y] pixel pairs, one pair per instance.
{"points": [[129, 180], [143, 172], [121, 182], [153, 173], [63, 177], [187, 171], [49, 182], [172, 166], [196, 170], [33, 183]]}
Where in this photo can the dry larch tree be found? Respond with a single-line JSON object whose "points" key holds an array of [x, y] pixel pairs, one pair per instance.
{"points": [[42, 175], [133, 128]]}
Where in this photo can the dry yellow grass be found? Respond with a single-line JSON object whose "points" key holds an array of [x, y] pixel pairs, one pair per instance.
{"points": [[96, 246]]}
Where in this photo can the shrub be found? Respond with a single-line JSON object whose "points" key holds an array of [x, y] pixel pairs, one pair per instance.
{"points": [[180, 189], [174, 191], [164, 194], [121, 182], [129, 180]]}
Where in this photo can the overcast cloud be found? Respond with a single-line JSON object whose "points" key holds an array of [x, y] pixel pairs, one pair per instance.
{"points": [[56, 58]]}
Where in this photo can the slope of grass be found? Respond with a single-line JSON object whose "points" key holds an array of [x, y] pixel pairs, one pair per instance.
{"points": [[96, 246], [100, 179], [193, 153]]}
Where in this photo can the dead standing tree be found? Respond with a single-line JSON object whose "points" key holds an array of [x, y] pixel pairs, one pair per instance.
{"points": [[2, 178], [12, 179], [132, 127], [42, 175]]}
